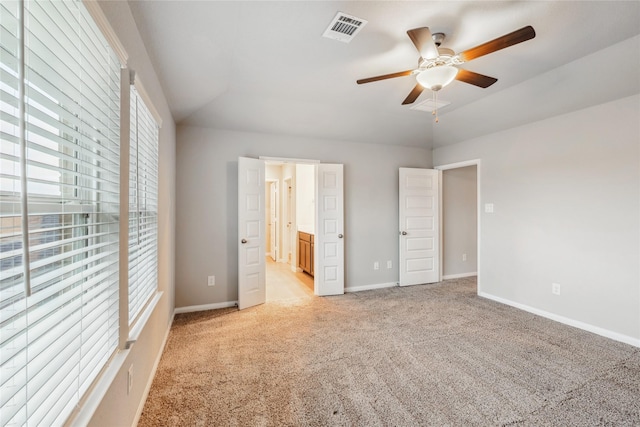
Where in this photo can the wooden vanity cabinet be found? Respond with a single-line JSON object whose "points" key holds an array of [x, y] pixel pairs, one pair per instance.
{"points": [[305, 252]]}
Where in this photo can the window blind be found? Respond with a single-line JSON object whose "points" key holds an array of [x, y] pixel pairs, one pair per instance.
{"points": [[143, 206], [55, 342]]}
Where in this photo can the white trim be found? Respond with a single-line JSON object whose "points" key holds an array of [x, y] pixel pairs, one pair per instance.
{"points": [[477, 163], [459, 276], [440, 226], [93, 398], [458, 165], [125, 152], [289, 160], [105, 27], [147, 99], [370, 287], [204, 307], [147, 389], [90, 404], [565, 320], [143, 318]]}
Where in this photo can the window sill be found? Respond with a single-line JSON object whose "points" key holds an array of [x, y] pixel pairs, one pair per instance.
{"points": [[141, 321], [88, 406]]}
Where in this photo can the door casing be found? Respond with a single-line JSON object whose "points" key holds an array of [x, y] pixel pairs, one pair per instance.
{"points": [[477, 163], [317, 285], [419, 226]]}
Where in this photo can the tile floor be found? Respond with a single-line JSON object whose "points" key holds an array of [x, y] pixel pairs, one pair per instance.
{"points": [[285, 285]]}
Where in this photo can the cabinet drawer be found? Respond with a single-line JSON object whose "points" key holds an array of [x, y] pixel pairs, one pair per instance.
{"points": [[305, 237]]}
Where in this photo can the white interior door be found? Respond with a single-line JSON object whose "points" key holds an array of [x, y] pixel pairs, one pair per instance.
{"points": [[288, 234], [273, 219], [329, 231], [419, 226], [251, 239]]}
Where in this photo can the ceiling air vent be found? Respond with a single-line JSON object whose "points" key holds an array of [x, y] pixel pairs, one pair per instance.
{"points": [[344, 27], [429, 105]]}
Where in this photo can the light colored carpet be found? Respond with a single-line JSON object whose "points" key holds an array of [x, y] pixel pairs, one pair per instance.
{"points": [[422, 355]]}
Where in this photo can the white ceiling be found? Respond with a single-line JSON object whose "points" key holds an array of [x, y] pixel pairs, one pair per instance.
{"points": [[264, 67]]}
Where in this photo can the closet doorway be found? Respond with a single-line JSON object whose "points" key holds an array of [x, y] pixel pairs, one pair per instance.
{"points": [[461, 220]]}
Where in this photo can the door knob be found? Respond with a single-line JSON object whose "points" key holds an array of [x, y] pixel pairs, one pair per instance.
{"points": [[243, 241], [404, 233], [340, 236]]}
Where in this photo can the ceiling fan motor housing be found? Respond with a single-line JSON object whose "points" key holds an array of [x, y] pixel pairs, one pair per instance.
{"points": [[438, 38], [445, 57]]}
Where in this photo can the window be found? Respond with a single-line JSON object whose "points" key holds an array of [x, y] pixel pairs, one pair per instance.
{"points": [[59, 189], [143, 205]]}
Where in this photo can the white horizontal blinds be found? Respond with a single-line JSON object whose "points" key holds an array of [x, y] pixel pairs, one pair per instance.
{"points": [[13, 304], [55, 342], [143, 206]]}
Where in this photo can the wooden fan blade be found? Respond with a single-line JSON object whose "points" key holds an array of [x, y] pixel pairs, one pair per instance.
{"points": [[385, 76], [415, 93], [423, 41], [518, 36], [475, 79]]}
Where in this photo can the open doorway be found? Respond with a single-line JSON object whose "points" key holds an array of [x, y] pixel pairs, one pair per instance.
{"points": [[460, 220], [328, 229], [290, 214]]}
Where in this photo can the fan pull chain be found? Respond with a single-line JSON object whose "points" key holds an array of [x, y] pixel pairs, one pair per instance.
{"points": [[435, 105]]}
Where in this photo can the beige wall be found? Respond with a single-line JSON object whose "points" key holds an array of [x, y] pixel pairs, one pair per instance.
{"points": [[566, 195], [305, 196], [118, 408], [207, 236]]}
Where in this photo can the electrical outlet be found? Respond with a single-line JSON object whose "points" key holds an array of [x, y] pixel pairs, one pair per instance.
{"points": [[389, 264], [488, 207], [464, 257], [129, 379], [211, 281], [555, 288], [376, 265]]}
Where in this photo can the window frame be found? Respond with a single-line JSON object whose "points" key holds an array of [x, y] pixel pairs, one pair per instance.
{"points": [[128, 332], [139, 318], [48, 312]]}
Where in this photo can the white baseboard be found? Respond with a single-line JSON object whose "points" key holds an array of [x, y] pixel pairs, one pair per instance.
{"points": [[370, 287], [565, 320], [153, 372], [459, 276], [204, 307]]}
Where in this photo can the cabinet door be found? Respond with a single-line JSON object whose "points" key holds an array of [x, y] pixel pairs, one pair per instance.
{"points": [[301, 252], [307, 257]]}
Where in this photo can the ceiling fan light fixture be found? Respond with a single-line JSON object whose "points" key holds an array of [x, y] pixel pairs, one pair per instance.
{"points": [[435, 78]]}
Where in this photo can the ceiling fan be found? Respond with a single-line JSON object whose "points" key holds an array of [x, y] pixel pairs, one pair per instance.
{"points": [[437, 66]]}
